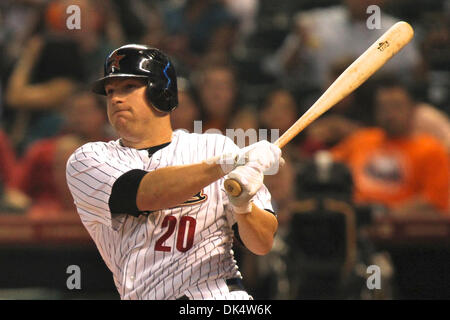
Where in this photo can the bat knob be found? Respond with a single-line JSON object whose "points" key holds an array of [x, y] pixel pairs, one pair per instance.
{"points": [[232, 187]]}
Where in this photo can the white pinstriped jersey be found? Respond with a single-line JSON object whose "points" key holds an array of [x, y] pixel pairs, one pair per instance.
{"points": [[185, 250]]}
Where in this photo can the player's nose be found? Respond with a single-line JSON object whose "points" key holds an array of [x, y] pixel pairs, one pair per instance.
{"points": [[116, 99]]}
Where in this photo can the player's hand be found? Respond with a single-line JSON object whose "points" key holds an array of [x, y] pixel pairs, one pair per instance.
{"points": [[250, 177], [265, 155]]}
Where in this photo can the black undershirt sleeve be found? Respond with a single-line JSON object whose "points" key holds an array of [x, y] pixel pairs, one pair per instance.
{"points": [[124, 191]]}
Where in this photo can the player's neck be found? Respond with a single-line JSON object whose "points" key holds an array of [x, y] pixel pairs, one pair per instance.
{"points": [[154, 137]]}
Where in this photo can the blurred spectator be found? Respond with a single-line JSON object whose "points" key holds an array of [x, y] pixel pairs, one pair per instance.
{"points": [[135, 16], [435, 50], [11, 199], [85, 116], [245, 119], [17, 20], [322, 35], [407, 173], [280, 111], [346, 116], [200, 28], [8, 160], [187, 112], [31, 98], [244, 127], [54, 63], [330, 130], [216, 88], [155, 34], [42, 171], [356, 110], [246, 12], [429, 120]]}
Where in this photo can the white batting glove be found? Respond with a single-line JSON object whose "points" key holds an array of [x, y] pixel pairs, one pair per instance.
{"points": [[250, 177], [266, 155], [263, 154]]}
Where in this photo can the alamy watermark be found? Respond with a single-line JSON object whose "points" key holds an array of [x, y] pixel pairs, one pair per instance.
{"points": [[374, 20], [239, 135], [242, 138], [374, 280], [74, 280], [73, 21]]}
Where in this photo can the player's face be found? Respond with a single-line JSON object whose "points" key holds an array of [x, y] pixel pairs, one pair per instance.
{"points": [[128, 110]]}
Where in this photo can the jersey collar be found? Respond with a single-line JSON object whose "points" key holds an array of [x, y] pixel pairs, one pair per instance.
{"points": [[151, 150], [154, 149]]}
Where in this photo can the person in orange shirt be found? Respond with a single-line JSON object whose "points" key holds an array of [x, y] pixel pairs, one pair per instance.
{"points": [[407, 173]]}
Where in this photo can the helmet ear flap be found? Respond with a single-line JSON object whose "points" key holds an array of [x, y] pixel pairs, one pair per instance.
{"points": [[160, 98]]}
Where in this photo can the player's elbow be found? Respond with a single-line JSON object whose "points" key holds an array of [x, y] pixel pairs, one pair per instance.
{"points": [[263, 252], [260, 245], [262, 248], [259, 240]]}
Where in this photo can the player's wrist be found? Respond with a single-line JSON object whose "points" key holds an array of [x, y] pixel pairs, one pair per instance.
{"points": [[227, 161], [243, 208]]}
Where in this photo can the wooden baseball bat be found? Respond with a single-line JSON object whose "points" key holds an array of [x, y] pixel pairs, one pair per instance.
{"points": [[389, 44]]}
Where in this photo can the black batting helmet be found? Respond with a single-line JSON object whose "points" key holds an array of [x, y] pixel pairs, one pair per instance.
{"points": [[140, 61]]}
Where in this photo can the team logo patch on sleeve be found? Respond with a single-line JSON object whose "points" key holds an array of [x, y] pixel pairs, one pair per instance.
{"points": [[197, 198]]}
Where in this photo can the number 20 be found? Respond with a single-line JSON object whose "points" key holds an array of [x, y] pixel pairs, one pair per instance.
{"points": [[171, 222]]}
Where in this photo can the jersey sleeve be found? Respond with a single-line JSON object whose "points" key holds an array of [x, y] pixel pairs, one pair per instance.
{"points": [[91, 173]]}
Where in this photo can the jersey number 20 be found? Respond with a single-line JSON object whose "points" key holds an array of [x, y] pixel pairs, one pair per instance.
{"points": [[182, 245]]}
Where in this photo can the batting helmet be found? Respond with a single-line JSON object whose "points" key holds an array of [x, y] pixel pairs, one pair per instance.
{"points": [[140, 61]]}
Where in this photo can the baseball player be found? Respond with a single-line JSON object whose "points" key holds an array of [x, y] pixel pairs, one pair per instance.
{"points": [[153, 201]]}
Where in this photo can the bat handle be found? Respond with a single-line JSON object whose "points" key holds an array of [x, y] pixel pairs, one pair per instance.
{"points": [[232, 187]]}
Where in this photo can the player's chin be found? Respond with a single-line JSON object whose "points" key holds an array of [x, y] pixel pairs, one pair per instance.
{"points": [[122, 125], [120, 119]]}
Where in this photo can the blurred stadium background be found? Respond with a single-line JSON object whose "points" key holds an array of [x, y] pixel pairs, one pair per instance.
{"points": [[241, 64]]}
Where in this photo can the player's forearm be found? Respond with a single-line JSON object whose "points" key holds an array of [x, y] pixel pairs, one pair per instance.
{"points": [[171, 186], [257, 229]]}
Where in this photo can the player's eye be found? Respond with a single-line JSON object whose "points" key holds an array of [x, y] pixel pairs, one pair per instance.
{"points": [[109, 91], [131, 86]]}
